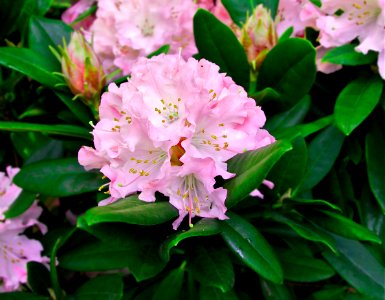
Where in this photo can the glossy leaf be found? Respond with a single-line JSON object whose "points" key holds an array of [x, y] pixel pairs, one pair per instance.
{"points": [[104, 287], [45, 32], [21, 204], [273, 291], [358, 267], [345, 227], [302, 268], [211, 293], [38, 278], [204, 227], [170, 287], [356, 101], [306, 230], [218, 44], [239, 9], [211, 266], [9, 14], [76, 107], [31, 64], [57, 178], [291, 77], [375, 162], [65, 130], [323, 151], [131, 210], [346, 55], [289, 171], [251, 168], [251, 248]]}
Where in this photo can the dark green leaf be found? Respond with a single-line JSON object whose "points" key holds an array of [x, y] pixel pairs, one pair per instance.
{"points": [[57, 178], [21, 296], [358, 267], [170, 287], [163, 49], [292, 117], [273, 291], [204, 227], [239, 9], [131, 210], [9, 15], [305, 230], [218, 44], [323, 151], [38, 278], [45, 32], [314, 202], [375, 158], [105, 287], [251, 248], [211, 266], [31, 64], [345, 227], [66, 130], [356, 101], [290, 169], [211, 293], [346, 55], [251, 168], [76, 107], [302, 268], [118, 248], [293, 76], [21, 204]]}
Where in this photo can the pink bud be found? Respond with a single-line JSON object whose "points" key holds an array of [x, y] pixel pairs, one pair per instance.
{"points": [[258, 35], [82, 70]]}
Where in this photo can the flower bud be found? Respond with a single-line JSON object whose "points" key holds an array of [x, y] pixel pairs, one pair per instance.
{"points": [[258, 36], [82, 70]]}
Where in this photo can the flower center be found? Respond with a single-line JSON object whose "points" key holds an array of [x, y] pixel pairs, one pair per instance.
{"points": [[176, 152]]}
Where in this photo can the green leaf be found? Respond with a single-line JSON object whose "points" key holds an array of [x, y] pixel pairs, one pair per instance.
{"points": [[356, 101], [288, 173], [38, 278], [302, 268], [251, 168], [314, 202], [9, 15], [293, 76], [375, 162], [345, 227], [292, 117], [65, 130], [211, 293], [211, 266], [239, 9], [346, 55], [171, 286], [45, 32], [273, 291], [218, 44], [31, 64], [131, 210], [35, 146], [21, 296], [76, 107], [105, 287], [358, 267], [251, 248], [305, 229], [164, 49], [21, 204], [57, 178], [118, 248], [204, 227], [323, 151]]}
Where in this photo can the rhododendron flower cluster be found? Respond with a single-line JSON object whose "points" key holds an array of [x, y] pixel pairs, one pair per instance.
{"points": [[126, 30], [16, 249], [171, 128]]}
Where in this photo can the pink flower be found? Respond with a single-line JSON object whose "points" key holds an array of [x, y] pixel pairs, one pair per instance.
{"points": [[298, 14], [72, 13], [364, 19], [126, 30], [16, 249], [170, 128]]}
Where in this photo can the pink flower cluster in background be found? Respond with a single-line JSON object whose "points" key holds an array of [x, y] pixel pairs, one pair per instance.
{"points": [[16, 249], [171, 128]]}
